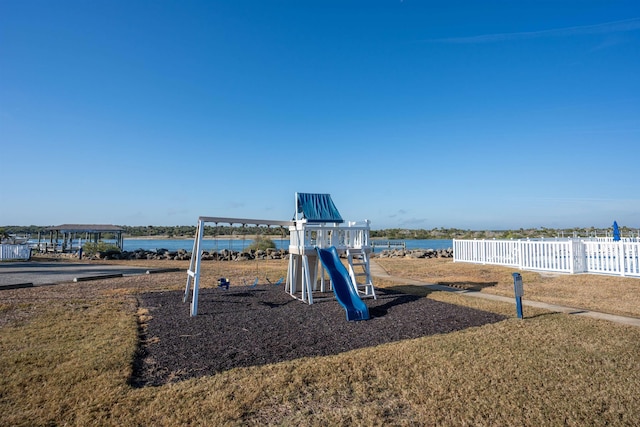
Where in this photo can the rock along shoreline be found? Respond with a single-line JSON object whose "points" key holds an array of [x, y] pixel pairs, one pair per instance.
{"points": [[231, 255]]}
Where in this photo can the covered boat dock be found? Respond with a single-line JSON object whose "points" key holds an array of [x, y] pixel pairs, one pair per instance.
{"points": [[69, 237]]}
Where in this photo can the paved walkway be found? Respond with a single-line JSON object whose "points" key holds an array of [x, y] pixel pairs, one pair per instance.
{"points": [[30, 273], [378, 271]]}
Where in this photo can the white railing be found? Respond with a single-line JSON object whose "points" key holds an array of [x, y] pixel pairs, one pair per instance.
{"points": [[619, 258], [610, 239], [564, 256], [500, 252], [557, 256], [309, 236], [14, 252]]}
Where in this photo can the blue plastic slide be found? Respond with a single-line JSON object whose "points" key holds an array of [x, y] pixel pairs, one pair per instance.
{"points": [[342, 286]]}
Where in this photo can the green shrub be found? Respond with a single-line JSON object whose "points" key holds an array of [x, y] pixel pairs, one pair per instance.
{"points": [[91, 248], [261, 243]]}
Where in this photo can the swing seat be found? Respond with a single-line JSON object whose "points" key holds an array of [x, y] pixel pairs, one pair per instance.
{"points": [[253, 285], [223, 283], [278, 282]]}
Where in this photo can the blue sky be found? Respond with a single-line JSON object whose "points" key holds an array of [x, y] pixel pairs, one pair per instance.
{"points": [[413, 114]]}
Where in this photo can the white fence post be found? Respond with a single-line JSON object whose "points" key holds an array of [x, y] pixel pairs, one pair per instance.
{"points": [[571, 258], [621, 263]]}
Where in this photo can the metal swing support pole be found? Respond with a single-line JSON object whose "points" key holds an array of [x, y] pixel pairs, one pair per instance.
{"points": [[194, 269]]}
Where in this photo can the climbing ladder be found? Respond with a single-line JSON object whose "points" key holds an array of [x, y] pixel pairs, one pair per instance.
{"points": [[360, 272]]}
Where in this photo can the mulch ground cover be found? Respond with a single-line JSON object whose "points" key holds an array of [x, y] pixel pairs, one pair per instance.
{"points": [[245, 326]]}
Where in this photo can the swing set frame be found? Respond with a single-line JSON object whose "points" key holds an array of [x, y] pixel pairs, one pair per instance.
{"points": [[193, 274]]}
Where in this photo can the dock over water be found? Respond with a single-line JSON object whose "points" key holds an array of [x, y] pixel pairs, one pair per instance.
{"points": [[388, 244]]}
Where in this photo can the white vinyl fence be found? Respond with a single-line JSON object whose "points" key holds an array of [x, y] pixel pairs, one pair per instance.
{"points": [[560, 255], [14, 252], [619, 258]]}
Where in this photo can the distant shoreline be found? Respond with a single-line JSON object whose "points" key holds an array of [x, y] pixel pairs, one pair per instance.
{"points": [[220, 236]]}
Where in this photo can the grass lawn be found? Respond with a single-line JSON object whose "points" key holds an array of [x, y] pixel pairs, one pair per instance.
{"points": [[609, 294], [67, 352]]}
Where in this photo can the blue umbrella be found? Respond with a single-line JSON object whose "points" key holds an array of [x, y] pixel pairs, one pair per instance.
{"points": [[616, 231]]}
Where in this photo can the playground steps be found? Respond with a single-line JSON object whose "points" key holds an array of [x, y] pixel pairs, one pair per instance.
{"points": [[360, 272]]}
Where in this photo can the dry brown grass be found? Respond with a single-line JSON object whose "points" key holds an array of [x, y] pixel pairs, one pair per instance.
{"points": [[66, 355], [609, 294]]}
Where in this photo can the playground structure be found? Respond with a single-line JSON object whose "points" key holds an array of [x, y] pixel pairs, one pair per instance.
{"points": [[317, 224]]}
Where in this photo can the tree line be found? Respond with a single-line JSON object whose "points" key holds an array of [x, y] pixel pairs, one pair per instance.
{"points": [[188, 231]]}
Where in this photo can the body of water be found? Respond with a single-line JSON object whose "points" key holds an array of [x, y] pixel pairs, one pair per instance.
{"points": [[238, 245]]}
